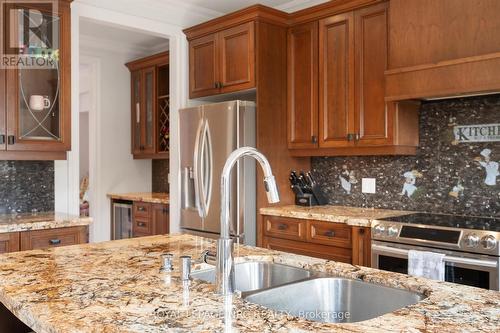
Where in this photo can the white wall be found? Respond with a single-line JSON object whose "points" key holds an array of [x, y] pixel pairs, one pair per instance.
{"points": [[67, 172], [84, 144]]}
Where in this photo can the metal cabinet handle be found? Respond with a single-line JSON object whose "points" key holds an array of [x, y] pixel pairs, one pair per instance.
{"points": [[216, 84], [55, 241], [314, 139], [282, 227], [356, 137], [350, 137], [141, 224], [330, 233], [11, 139], [141, 209]]}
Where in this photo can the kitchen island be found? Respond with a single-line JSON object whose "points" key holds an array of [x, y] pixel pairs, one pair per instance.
{"points": [[117, 287]]}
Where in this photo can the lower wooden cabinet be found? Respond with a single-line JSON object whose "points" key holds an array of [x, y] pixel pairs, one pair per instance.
{"points": [[43, 239], [150, 219], [9, 242], [326, 240]]}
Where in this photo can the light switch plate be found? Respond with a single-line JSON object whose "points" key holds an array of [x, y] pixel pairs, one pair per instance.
{"points": [[368, 185]]}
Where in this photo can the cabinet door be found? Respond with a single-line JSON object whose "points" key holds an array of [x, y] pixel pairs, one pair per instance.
{"points": [[203, 66], [148, 114], [161, 219], [373, 121], [336, 81], [237, 58], [136, 112], [39, 88], [9, 242], [303, 86]]}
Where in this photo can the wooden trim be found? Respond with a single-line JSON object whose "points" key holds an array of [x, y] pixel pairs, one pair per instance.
{"points": [[259, 13], [429, 82], [155, 156], [356, 151], [11, 240], [32, 155], [444, 63], [327, 9], [361, 246], [162, 58]]}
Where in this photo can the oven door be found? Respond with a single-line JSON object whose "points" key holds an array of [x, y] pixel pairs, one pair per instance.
{"points": [[464, 268]]}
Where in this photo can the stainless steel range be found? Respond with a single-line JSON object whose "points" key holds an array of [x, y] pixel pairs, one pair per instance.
{"points": [[471, 245]]}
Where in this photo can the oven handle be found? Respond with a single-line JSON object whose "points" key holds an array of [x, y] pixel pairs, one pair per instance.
{"points": [[451, 259]]}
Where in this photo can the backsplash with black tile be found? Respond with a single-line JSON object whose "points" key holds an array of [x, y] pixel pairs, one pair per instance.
{"points": [[444, 177], [26, 186], [160, 176]]}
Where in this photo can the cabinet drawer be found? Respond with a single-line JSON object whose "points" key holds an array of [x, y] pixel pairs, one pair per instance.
{"points": [[327, 233], [284, 228], [307, 249], [42, 239], [142, 209], [142, 227]]}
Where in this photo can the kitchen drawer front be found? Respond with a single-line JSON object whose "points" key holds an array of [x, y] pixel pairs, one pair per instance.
{"points": [[142, 227], [43, 239], [327, 233], [285, 228], [9, 242], [307, 249], [142, 209]]}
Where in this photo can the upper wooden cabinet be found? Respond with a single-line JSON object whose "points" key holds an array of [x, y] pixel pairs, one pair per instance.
{"points": [[303, 85], [349, 115], [222, 62], [443, 48], [35, 101], [150, 107]]}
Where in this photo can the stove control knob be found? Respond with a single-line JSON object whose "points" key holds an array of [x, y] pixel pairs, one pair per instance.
{"points": [[392, 231], [472, 240], [489, 242], [379, 229]]}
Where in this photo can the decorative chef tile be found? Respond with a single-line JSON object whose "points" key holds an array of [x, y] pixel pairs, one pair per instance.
{"points": [[26, 185], [452, 174]]}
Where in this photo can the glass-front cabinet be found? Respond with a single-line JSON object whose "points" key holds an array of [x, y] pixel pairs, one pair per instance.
{"points": [[150, 107], [36, 81]]}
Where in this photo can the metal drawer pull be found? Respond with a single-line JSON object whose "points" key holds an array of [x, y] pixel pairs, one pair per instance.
{"points": [[55, 241], [11, 139], [330, 233], [141, 209], [282, 227], [141, 224]]}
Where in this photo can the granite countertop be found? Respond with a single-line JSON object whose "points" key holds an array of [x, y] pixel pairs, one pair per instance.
{"points": [[117, 287], [159, 198], [361, 217], [40, 221]]}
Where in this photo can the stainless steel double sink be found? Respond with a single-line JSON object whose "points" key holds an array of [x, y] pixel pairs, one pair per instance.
{"points": [[313, 296]]}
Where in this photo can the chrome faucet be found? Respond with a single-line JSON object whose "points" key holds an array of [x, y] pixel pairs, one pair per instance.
{"points": [[224, 278]]}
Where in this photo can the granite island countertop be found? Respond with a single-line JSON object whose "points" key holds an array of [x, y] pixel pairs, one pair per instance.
{"points": [[150, 197], [355, 216], [117, 287], [40, 221]]}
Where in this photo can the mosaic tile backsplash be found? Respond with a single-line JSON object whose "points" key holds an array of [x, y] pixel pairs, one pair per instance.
{"points": [[444, 176], [26, 185], [160, 176]]}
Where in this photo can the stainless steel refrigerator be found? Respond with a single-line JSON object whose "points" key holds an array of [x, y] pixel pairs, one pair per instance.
{"points": [[209, 133]]}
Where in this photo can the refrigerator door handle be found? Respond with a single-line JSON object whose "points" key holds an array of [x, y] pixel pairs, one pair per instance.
{"points": [[197, 169], [207, 166]]}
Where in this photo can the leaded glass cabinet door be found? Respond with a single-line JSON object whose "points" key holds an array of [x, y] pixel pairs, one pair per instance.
{"points": [[149, 114], [38, 90]]}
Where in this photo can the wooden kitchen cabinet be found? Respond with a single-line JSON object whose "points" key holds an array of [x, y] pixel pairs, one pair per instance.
{"points": [[303, 86], [350, 114], [327, 240], [222, 62], [42, 239], [9, 242], [150, 107], [150, 219], [35, 103]]}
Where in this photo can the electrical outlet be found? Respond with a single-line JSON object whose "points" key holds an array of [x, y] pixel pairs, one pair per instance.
{"points": [[368, 185]]}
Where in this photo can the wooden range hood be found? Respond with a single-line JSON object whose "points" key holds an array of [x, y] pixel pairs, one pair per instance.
{"points": [[440, 48]]}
